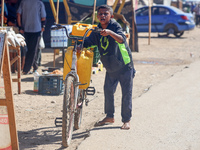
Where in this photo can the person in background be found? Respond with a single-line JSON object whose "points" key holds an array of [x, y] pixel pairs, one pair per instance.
{"points": [[12, 6], [117, 59], [31, 19], [197, 14], [12, 10]]}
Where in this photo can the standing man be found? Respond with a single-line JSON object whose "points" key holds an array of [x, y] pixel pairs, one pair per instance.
{"points": [[31, 19], [197, 14]]}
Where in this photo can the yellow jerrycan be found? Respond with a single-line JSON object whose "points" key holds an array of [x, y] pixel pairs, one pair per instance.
{"points": [[67, 61], [84, 66]]}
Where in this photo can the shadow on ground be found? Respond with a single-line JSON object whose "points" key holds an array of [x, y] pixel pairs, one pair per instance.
{"points": [[41, 136], [45, 136]]}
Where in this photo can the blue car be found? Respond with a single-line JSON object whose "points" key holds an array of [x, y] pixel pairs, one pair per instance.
{"points": [[167, 19]]}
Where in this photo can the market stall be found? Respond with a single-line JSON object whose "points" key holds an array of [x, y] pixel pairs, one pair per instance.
{"points": [[14, 48]]}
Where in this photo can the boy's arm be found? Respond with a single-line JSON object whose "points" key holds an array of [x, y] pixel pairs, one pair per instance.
{"points": [[91, 40], [21, 30], [117, 37]]}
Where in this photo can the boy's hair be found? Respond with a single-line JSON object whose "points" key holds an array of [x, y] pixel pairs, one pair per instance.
{"points": [[106, 7]]}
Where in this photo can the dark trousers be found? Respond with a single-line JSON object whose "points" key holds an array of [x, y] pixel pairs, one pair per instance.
{"points": [[32, 42], [197, 19], [110, 85]]}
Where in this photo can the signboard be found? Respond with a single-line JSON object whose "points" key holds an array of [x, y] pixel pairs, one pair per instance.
{"points": [[2, 37]]}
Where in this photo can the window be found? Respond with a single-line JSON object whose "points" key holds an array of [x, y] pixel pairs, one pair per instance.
{"points": [[142, 12], [160, 11], [163, 11]]}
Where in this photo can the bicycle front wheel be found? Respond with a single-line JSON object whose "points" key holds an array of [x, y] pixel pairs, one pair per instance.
{"points": [[78, 114], [69, 105]]}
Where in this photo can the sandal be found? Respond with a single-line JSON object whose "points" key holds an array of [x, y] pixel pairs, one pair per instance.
{"points": [[126, 126], [26, 73], [105, 121]]}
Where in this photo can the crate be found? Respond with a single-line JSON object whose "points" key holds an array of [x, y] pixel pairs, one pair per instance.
{"points": [[50, 85], [59, 37]]}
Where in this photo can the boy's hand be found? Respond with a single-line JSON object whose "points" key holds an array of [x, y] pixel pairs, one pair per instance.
{"points": [[117, 37], [105, 32]]}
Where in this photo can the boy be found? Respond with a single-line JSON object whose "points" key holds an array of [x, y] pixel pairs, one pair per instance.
{"points": [[117, 59]]}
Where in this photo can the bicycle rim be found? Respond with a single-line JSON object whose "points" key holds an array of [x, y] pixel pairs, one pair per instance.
{"points": [[78, 114], [68, 111]]}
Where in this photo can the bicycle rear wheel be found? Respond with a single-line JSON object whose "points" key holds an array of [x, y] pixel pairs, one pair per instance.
{"points": [[69, 105], [78, 114]]}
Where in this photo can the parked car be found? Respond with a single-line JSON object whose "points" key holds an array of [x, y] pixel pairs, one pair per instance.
{"points": [[167, 19]]}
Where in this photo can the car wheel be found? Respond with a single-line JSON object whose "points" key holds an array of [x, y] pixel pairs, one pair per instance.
{"points": [[171, 30], [178, 34]]}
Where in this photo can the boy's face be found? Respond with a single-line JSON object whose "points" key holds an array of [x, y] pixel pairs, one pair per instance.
{"points": [[104, 16]]}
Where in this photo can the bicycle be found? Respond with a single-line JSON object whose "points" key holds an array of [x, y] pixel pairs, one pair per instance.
{"points": [[73, 96]]}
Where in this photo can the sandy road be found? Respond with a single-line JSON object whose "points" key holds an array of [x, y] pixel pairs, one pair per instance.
{"points": [[155, 64]]}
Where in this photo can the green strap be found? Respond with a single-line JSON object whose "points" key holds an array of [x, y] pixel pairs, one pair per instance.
{"points": [[124, 53]]}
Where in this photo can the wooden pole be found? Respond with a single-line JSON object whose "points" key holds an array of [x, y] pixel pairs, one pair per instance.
{"points": [[69, 21], [149, 22], [57, 12], [9, 98], [94, 8], [178, 4], [53, 8], [120, 7], [2, 12], [115, 5], [133, 24]]}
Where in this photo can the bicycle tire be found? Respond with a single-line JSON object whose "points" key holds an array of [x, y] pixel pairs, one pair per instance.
{"points": [[68, 111], [78, 114]]}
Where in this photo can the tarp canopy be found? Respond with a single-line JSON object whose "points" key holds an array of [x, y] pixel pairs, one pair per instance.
{"points": [[90, 2]]}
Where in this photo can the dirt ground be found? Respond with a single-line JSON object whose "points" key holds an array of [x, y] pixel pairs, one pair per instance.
{"points": [[35, 114]]}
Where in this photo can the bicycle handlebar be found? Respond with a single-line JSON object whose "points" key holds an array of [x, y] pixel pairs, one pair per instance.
{"points": [[59, 26]]}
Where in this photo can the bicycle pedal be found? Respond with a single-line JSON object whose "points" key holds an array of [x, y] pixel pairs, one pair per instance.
{"points": [[58, 122], [90, 91]]}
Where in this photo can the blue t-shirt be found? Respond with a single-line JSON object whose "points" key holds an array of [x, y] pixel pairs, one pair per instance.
{"points": [[31, 13]]}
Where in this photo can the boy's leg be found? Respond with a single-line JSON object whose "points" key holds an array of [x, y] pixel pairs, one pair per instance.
{"points": [[126, 82], [109, 90]]}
